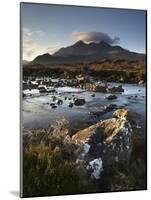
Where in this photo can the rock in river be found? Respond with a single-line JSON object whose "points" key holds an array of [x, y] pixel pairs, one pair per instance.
{"points": [[79, 102], [115, 89], [111, 97], [110, 107]]}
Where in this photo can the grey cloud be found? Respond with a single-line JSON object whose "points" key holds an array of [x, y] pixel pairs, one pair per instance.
{"points": [[89, 37]]}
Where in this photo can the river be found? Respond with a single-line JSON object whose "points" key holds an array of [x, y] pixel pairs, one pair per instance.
{"points": [[37, 113]]}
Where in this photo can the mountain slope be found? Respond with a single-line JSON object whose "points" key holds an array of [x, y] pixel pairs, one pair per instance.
{"points": [[82, 52]]}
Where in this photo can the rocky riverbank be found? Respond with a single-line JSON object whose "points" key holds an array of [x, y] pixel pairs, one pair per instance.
{"points": [[49, 85]]}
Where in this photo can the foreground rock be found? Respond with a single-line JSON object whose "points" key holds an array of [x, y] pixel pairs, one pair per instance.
{"points": [[106, 143], [93, 149]]}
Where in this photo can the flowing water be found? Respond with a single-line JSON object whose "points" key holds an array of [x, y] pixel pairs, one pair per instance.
{"points": [[37, 112]]}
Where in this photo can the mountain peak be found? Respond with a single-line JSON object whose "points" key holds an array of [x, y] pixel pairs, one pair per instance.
{"points": [[46, 54], [80, 42]]}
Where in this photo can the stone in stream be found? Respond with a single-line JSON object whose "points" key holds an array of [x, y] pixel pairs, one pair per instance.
{"points": [[53, 98], [79, 102], [93, 87], [59, 102], [53, 106], [106, 108], [115, 89], [70, 104], [96, 113], [110, 107], [111, 97]]}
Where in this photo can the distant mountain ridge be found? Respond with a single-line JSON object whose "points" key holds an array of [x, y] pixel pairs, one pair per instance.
{"points": [[82, 52]]}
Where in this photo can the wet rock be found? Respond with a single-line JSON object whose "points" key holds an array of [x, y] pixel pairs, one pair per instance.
{"points": [[53, 106], [130, 97], [79, 102], [93, 95], [96, 113], [59, 102], [42, 88], [115, 89], [111, 97], [70, 104], [94, 87], [100, 88], [133, 97], [53, 98], [110, 107], [106, 108]]}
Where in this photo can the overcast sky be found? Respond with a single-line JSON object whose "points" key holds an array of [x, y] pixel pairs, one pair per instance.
{"points": [[46, 28]]}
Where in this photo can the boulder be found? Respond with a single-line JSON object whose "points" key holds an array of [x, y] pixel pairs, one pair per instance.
{"points": [[53, 106], [115, 89], [53, 98], [104, 109], [93, 95], [70, 104], [94, 87], [96, 113], [111, 97], [79, 102], [109, 107], [100, 88], [59, 101], [105, 143]]}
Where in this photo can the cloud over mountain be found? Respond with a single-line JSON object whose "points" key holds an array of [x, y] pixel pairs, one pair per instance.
{"points": [[96, 37]]}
